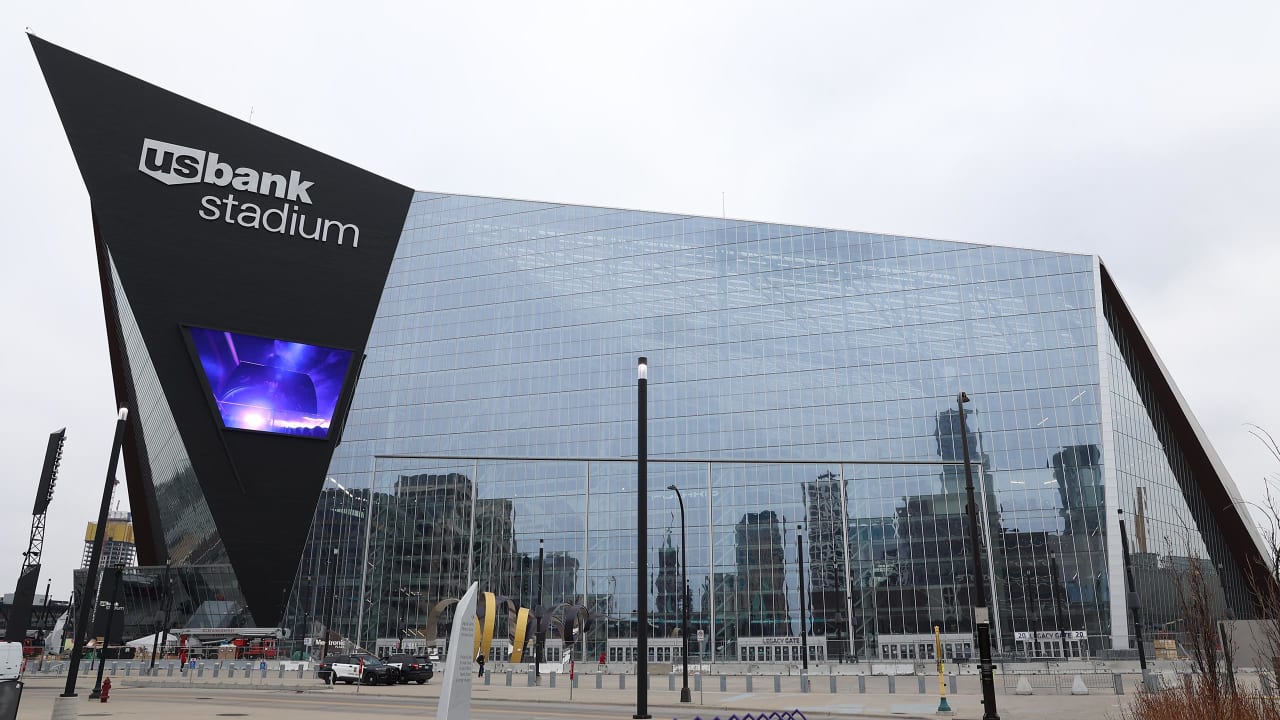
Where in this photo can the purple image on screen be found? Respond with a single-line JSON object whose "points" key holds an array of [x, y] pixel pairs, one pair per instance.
{"points": [[271, 385]]}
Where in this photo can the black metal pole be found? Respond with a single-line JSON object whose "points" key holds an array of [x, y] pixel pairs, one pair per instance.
{"points": [[168, 595], [540, 612], [1135, 606], [96, 693], [90, 596], [685, 695], [981, 613], [804, 618], [333, 600], [642, 542]]}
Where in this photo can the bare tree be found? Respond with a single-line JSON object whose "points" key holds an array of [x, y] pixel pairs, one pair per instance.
{"points": [[1265, 586]]}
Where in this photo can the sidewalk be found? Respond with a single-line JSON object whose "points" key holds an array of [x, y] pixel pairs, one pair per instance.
{"points": [[153, 699]]}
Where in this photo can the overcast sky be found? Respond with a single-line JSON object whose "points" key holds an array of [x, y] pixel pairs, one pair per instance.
{"points": [[1146, 133]]}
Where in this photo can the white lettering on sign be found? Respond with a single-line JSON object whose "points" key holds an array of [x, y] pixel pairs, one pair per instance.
{"points": [[174, 164]]}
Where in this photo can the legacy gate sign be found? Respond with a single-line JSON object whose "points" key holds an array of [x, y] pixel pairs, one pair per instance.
{"points": [[241, 273]]}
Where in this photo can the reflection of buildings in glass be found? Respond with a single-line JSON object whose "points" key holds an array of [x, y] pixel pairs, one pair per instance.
{"points": [[560, 578], [914, 570], [428, 529], [761, 583], [1078, 470], [668, 588], [722, 590], [825, 561]]}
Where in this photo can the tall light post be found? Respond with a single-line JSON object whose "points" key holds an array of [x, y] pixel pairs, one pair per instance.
{"points": [[981, 613], [89, 598], [118, 575], [685, 695], [1132, 599], [804, 620], [539, 636], [642, 542]]}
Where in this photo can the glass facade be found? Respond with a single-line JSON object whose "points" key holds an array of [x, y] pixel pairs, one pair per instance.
{"points": [[795, 376]]}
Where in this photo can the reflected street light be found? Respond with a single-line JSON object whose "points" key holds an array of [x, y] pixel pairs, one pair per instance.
{"points": [[685, 695]]}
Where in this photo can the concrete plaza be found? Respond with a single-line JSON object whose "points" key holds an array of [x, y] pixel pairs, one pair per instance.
{"points": [[296, 698]]}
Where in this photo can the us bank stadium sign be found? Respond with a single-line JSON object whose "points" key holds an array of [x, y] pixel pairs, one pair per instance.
{"points": [[181, 165]]}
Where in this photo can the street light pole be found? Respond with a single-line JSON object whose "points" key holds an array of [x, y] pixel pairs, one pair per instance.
{"points": [[981, 613], [539, 612], [804, 620], [1133, 600], [642, 542], [90, 596], [685, 695], [118, 571]]}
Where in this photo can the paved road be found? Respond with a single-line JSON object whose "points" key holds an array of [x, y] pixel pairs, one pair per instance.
{"points": [[137, 699]]}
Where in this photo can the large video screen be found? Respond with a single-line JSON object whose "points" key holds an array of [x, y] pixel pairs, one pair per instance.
{"points": [[270, 385]]}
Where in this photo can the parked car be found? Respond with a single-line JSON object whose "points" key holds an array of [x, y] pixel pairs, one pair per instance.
{"points": [[366, 668], [413, 668]]}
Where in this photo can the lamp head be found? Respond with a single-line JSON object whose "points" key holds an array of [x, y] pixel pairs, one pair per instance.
{"points": [[962, 398], [123, 414], [642, 369], [673, 487]]}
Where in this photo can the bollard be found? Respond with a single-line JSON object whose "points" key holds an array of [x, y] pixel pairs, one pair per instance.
{"points": [[724, 683], [952, 681], [169, 671], [280, 674], [777, 683], [893, 684], [231, 671], [920, 685], [128, 670], [553, 679], [750, 684], [200, 670], [508, 678], [217, 668], [697, 682], [622, 682], [573, 682], [804, 683], [486, 677], [671, 682], [114, 667], [833, 684], [1117, 680], [599, 681], [862, 684], [532, 679]]}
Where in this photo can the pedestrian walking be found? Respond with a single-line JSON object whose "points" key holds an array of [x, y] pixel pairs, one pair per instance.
{"points": [[480, 662]]}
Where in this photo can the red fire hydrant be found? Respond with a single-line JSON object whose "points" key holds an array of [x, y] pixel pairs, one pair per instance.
{"points": [[106, 689]]}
